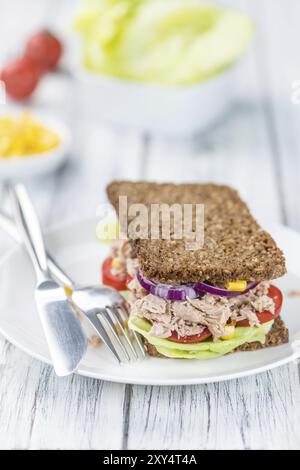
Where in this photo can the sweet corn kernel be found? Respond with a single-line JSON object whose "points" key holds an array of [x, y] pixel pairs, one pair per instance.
{"points": [[230, 332], [237, 285]]}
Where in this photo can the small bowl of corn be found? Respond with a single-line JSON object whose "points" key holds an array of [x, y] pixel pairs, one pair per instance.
{"points": [[31, 144]]}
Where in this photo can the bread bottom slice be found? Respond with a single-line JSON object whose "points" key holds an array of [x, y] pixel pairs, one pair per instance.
{"points": [[279, 334]]}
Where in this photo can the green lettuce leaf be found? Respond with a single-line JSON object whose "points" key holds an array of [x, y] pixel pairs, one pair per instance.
{"points": [[161, 41], [205, 350]]}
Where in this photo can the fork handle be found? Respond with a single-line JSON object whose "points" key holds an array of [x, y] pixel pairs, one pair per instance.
{"points": [[30, 229]]}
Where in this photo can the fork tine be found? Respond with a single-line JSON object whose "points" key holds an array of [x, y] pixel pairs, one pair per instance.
{"points": [[105, 314], [136, 336], [96, 323], [117, 318]]}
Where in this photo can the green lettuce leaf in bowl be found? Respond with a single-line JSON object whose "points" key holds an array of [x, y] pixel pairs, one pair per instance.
{"points": [[169, 42]]}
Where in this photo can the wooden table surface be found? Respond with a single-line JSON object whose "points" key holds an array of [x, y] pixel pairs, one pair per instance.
{"points": [[255, 148]]}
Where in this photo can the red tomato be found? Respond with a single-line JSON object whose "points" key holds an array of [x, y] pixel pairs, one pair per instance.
{"points": [[109, 279], [190, 339], [266, 316], [45, 49], [20, 78]]}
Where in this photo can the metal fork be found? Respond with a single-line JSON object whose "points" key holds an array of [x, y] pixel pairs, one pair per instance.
{"points": [[104, 307], [104, 304]]}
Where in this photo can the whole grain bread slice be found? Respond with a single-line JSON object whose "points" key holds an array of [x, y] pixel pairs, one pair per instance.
{"points": [[278, 335], [235, 246]]}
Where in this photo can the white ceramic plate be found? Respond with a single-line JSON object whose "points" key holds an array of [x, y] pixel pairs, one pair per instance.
{"points": [[75, 246], [19, 168]]}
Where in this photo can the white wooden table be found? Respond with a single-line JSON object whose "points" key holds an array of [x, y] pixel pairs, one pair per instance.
{"points": [[255, 148]]}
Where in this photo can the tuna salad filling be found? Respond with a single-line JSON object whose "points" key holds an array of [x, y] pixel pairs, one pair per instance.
{"points": [[192, 316]]}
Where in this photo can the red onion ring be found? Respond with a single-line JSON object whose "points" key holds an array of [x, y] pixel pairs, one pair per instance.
{"points": [[167, 291], [204, 288], [184, 291]]}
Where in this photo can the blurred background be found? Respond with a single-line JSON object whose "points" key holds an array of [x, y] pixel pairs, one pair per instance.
{"points": [[159, 114]]}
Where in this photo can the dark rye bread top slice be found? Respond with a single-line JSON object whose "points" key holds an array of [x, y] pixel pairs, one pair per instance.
{"points": [[235, 246]]}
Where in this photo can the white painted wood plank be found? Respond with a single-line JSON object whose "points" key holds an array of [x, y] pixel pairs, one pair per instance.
{"points": [[254, 413], [41, 411]]}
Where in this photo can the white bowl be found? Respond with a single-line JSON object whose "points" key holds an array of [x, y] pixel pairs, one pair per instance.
{"points": [[175, 110], [19, 168]]}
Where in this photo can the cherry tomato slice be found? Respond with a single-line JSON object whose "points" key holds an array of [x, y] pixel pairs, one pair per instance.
{"points": [[109, 279], [265, 317], [190, 339]]}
